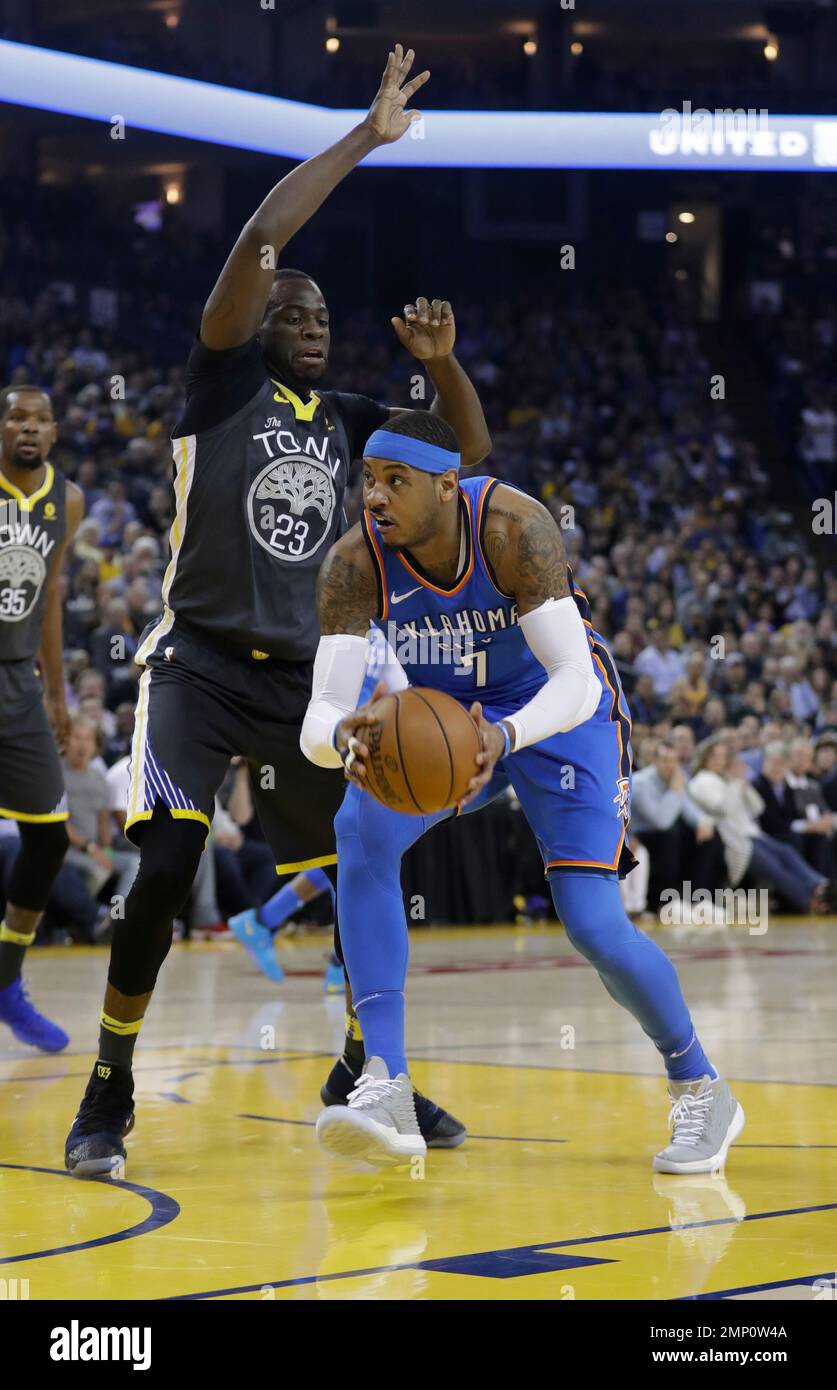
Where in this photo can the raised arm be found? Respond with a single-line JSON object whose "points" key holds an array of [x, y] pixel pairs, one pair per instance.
{"points": [[428, 331], [236, 306]]}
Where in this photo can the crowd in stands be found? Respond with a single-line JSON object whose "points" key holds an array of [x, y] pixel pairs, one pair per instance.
{"points": [[722, 619]]}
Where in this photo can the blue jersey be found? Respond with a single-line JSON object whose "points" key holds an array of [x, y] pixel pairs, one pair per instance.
{"points": [[466, 639]]}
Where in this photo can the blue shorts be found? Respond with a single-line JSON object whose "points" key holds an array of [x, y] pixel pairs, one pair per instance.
{"points": [[574, 788]]}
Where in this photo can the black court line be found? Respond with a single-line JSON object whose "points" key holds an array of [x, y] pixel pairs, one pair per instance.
{"points": [[510, 1138], [520, 1251], [164, 1210], [299, 1055], [168, 1066]]}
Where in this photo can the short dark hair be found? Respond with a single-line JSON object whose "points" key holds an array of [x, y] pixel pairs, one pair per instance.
{"points": [[424, 425], [281, 277], [9, 391]]}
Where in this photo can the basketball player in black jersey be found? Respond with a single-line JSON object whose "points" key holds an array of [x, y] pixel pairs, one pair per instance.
{"points": [[262, 461], [39, 513]]}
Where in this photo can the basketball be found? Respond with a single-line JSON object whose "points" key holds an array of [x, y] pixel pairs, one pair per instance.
{"points": [[422, 751]]}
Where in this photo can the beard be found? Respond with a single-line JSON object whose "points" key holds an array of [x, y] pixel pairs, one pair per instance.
{"points": [[30, 462]]}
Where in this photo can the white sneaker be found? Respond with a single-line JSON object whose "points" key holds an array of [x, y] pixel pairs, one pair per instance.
{"points": [[379, 1122], [705, 1119]]}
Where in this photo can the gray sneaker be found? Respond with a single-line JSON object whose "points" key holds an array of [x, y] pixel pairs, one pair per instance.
{"points": [[705, 1119], [379, 1122]]}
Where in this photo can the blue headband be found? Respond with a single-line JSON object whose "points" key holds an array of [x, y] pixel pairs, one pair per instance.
{"points": [[401, 448]]}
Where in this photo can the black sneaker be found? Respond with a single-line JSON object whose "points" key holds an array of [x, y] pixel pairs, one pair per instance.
{"points": [[94, 1145], [439, 1129]]}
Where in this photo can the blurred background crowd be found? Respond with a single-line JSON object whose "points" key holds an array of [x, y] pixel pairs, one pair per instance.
{"points": [[671, 398], [721, 618]]}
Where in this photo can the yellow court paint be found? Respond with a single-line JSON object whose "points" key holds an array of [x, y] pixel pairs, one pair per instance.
{"points": [[552, 1196]]}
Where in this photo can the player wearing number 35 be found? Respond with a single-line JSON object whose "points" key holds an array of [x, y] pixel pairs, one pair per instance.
{"points": [[477, 571]]}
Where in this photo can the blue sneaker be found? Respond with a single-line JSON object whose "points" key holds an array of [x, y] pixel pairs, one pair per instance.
{"points": [[26, 1023], [258, 941], [334, 979]]}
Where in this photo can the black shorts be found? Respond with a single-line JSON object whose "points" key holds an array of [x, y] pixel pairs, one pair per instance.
{"points": [[31, 776], [200, 705]]}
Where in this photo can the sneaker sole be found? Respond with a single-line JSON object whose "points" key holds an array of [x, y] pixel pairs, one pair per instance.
{"points": [[449, 1141], [111, 1167], [705, 1165], [345, 1133]]}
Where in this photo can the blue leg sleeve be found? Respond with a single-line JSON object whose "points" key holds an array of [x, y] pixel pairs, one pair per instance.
{"points": [[371, 841], [319, 879], [633, 969], [373, 928]]}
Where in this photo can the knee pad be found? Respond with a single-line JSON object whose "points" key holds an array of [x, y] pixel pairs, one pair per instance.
{"points": [[43, 845]]}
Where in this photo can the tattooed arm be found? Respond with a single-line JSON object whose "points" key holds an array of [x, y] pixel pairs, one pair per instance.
{"points": [[525, 549], [346, 588]]}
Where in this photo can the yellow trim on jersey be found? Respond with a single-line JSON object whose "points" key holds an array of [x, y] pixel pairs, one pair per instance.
{"points": [[150, 643], [177, 814], [24, 815], [27, 503], [183, 453], [115, 1025], [302, 410], [137, 764], [182, 484], [306, 864]]}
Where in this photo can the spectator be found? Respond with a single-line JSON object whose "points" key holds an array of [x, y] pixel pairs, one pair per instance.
{"points": [[680, 841], [245, 869], [720, 789], [660, 661], [779, 812], [92, 851], [646, 705], [690, 693], [814, 822]]}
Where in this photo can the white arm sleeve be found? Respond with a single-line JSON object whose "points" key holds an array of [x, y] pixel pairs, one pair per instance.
{"points": [[339, 671], [557, 636]]}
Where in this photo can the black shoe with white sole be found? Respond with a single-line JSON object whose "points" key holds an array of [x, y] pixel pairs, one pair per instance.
{"points": [[94, 1145]]}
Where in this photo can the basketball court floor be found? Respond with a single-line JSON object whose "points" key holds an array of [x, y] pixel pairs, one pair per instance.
{"points": [[227, 1196]]}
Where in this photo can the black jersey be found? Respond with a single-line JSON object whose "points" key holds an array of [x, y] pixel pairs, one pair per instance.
{"points": [[31, 531], [260, 476]]}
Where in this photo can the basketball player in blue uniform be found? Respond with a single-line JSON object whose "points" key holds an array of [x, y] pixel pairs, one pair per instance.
{"points": [[468, 580], [39, 513]]}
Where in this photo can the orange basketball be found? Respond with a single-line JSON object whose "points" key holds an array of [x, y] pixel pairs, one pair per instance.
{"points": [[422, 751]]}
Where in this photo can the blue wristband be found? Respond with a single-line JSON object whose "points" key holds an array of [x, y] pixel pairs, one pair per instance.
{"points": [[333, 736], [507, 740]]}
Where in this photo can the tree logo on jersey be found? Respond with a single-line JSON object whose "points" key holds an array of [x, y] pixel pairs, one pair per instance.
{"points": [[290, 506], [22, 572], [622, 799]]}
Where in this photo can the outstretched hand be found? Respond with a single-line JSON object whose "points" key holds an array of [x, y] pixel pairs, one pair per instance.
{"points": [[388, 119], [427, 329]]}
